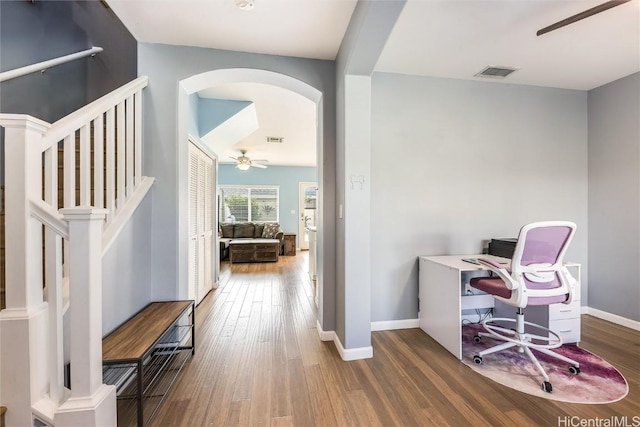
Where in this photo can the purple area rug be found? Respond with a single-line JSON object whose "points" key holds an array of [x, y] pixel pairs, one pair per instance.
{"points": [[598, 381]]}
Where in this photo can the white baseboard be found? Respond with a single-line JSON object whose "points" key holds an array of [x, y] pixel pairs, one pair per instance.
{"points": [[324, 335], [345, 354], [613, 318], [353, 353], [390, 325]]}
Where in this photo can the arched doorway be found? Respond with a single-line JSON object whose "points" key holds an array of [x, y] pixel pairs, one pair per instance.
{"points": [[214, 78]]}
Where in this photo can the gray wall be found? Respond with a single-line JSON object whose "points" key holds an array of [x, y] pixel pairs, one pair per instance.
{"points": [[457, 163], [35, 32], [366, 35], [285, 177], [614, 197], [126, 269], [166, 66]]}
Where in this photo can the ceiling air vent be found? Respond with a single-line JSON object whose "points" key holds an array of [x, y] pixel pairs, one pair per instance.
{"points": [[275, 139], [496, 72]]}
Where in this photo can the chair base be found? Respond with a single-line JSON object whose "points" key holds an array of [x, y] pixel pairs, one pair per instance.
{"points": [[524, 341]]}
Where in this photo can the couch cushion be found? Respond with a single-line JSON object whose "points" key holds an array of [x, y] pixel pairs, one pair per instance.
{"points": [[243, 230], [259, 229], [270, 230], [227, 230]]}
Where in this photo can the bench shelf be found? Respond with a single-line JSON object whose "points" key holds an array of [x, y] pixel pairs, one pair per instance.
{"points": [[144, 356]]}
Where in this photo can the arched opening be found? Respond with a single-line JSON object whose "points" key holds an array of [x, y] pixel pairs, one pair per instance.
{"points": [[214, 78]]}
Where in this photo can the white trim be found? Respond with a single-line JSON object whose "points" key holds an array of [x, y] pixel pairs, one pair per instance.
{"points": [[23, 313], [352, 353], [324, 335], [202, 146], [390, 325], [78, 118], [613, 318], [49, 216], [345, 354]]}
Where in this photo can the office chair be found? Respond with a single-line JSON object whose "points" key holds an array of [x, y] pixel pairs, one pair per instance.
{"points": [[537, 277]]}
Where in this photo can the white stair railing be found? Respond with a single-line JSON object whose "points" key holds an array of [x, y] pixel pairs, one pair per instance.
{"points": [[102, 184]]}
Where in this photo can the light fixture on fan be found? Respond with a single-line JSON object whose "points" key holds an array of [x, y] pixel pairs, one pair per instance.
{"points": [[244, 163], [244, 4], [243, 166]]}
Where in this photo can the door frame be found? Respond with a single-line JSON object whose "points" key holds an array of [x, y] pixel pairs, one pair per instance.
{"points": [[303, 244], [215, 245]]}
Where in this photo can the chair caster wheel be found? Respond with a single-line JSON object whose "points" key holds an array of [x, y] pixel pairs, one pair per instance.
{"points": [[477, 338], [477, 360], [546, 386], [575, 370]]}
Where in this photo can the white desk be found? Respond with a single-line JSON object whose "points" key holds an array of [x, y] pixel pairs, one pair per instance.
{"points": [[441, 301]]}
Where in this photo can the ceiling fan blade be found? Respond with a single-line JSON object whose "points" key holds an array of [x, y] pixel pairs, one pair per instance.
{"points": [[579, 16], [257, 165]]}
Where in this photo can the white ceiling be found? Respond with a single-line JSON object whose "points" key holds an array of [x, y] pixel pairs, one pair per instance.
{"points": [[301, 28], [439, 38], [280, 113], [457, 39]]}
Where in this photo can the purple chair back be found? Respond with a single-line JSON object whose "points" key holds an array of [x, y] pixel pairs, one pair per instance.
{"points": [[544, 244]]}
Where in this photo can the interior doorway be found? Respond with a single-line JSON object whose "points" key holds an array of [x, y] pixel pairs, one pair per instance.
{"points": [[307, 206], [189, 87]]}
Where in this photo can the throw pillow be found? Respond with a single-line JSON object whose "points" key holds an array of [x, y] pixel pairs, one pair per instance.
{"points": [[259, 229], [227, 230], [244, 230], [270, 231]]}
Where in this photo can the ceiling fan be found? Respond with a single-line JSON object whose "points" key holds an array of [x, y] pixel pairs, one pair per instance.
{"points": [[577, 17], [243, 162]]}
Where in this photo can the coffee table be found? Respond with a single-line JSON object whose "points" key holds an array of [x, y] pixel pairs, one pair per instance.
{"points": [[254, 250]]}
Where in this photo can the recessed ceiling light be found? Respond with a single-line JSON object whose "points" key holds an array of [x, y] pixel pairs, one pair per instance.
{"points": [[244, 4]]}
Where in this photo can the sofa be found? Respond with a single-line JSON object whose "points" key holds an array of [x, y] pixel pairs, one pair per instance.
{"points": [[248, 230]]}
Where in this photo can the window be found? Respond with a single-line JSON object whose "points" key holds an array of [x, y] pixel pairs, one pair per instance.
{"points": [[245, 204]]}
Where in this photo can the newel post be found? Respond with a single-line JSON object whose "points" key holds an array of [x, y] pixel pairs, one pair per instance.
{"points": [[91, 403], [23, 323]]}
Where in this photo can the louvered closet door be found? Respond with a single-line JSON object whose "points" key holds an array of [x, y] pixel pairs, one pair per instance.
{"points": [[200, 224]]}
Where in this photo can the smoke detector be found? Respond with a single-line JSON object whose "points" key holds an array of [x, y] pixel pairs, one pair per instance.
{"points": [[244, 4], [496, 72]]}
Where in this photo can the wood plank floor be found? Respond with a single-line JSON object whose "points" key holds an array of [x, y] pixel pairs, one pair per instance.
{"points": [[259, 362]]}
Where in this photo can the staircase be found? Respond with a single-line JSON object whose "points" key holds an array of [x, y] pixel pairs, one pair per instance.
{"points": [[71, 187]]}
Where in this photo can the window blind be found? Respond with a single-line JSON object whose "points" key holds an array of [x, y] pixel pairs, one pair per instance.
{"points": [[249, 204]]}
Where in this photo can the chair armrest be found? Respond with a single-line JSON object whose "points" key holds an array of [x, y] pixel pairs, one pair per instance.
{"points": [[280, 236], [502, 272], [491, 264]]}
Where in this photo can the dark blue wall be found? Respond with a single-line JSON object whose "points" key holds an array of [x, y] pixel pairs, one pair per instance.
{"points": [[35, 32]]}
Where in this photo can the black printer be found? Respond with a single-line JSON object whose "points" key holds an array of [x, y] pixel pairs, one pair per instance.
{"points": [[502, 247]]}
